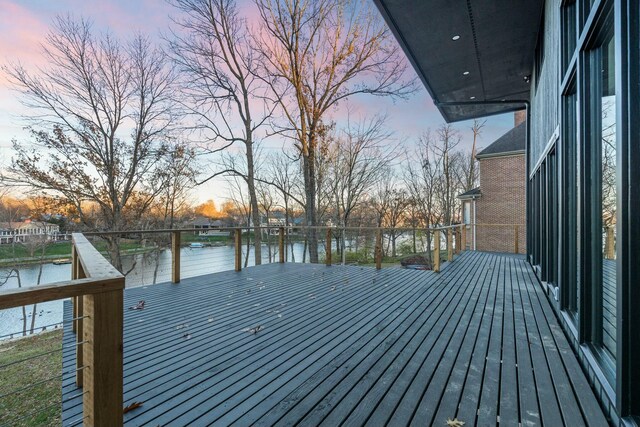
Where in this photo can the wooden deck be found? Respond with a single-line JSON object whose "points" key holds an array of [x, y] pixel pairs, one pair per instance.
{"points": [[478, 342]]}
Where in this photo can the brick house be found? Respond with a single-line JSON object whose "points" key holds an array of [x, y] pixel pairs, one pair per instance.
{"points": [[497, 206]]}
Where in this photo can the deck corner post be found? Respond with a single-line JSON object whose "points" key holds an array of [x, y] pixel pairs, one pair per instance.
{"points": [[378, 253], [436, 251], [103, 357], [449, 244], [516, 243], [175, 257], [328, 244], [238, 244]]}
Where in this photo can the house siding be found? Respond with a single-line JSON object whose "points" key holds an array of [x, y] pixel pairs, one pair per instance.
{"points": [[545, 91], [503, 201]]}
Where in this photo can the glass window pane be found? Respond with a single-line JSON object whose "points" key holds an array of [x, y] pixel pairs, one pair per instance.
{"points": [[608, 193]]}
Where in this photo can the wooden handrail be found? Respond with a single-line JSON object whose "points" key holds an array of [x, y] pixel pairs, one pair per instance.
{"points": [[11, 298]]}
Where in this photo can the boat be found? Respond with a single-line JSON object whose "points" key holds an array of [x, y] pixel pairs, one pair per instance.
{"points": [[196, 245], [62, 261]]}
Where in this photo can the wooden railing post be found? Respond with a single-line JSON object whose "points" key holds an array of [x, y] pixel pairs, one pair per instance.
{"points": [[516, 243], [457, 235], [175, 256], [463, 236], [238, 242], [281, 245], [378, 249], [328, 244], [436, 251], [102, 354], [449, 244]]}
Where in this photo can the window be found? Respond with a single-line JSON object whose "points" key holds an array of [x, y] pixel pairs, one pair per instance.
{"points": [[467, 213], [570, 257], [603, 197], [569, 32]]}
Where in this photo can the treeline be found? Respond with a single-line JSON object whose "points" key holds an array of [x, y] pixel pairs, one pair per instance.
{"points": [[122, 130]]}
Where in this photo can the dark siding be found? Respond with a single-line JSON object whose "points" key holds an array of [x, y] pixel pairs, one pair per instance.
{"points": [[545, 111]]}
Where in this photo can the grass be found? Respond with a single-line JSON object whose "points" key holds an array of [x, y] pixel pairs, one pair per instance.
{"points": [[39, 405], [366, 258], [10, 252]]}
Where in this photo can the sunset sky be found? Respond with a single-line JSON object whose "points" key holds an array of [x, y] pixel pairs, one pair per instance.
{"points": [[24, 23]]}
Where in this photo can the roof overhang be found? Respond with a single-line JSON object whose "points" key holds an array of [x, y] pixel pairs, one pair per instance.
{"points": [[496, 44], [502, 154], [472, 194]]}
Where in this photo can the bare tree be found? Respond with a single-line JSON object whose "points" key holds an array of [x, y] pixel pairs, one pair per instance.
{"points": [[241, 209], [267, 203], [472, 170], [109, 105], [422, 175], [447, 160], [223, 92], [362, 155], [316, 54], [396, 215], [284, 176]]}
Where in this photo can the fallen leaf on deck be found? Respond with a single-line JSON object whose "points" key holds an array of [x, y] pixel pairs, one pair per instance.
{"points": [[134, 405], [333, 288], [186, 336], [253, 330], [138, 306], [454, 422]]}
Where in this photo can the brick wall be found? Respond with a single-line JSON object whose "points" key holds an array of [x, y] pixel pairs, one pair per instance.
{"points": [[502, 183]]}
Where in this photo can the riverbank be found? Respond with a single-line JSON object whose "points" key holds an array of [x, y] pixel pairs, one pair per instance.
{"points": [[39, 405]]}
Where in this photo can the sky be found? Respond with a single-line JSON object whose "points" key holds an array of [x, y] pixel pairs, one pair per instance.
{"points": [[24, 24]]}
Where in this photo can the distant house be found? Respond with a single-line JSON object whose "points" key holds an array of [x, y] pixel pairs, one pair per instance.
{"points": [[499, 203], [208, 227], [25, 230]]}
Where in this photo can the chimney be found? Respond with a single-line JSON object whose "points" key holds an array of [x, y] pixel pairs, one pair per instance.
{"points": [[519, 117]]}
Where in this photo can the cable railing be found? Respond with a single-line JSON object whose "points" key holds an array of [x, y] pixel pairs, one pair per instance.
{"points": [[149, 257]]}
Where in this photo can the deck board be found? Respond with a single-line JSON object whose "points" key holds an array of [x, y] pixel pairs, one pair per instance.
{"points": [[348, 345]]}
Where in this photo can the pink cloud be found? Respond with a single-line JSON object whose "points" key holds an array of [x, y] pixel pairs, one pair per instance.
{"points": [[22, 31]]}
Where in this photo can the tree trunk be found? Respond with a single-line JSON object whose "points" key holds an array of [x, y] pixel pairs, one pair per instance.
{"points": [[310, 202], [253, 201]]}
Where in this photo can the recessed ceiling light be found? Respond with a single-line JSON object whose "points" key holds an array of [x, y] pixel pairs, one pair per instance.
{"points": [[466, 73], [456, 37], [472, 97]]}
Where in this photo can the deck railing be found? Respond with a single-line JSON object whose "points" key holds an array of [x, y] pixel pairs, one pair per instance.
{"points": [[96, 286], [96, 289], [335, 243]]}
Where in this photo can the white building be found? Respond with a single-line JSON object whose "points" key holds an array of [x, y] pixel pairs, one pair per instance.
{"points": [[24, 230]]}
